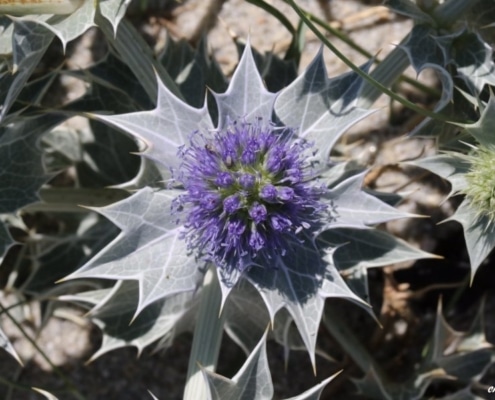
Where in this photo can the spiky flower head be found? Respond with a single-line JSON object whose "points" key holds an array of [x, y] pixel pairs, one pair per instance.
{"points": [[249, 187], [480, 187]]}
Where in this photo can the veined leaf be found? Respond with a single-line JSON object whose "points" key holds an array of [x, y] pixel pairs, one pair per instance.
{"points": [[409, 9], [165, 128], [356, 250], [299, 282], [321, 109], [29, 42], [23, 7], [69, 26], [246, 96], [351, 207], [114, 311], [149, 249], [479, 233], [21, 166], [253, 381], [452, 167]]}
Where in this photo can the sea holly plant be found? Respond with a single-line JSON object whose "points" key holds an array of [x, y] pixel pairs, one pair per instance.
{"points": [[470, 173], [248, 196], [28, 28], [236, 218]]}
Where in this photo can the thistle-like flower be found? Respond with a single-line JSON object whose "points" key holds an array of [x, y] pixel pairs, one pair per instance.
{"points": [[480, 187], [249, 187], [248, 199]]}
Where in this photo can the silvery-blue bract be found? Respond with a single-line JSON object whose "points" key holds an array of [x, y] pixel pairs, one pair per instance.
{"points": [[255, 194]]}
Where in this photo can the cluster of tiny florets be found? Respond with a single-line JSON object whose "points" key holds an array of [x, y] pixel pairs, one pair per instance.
{"points": [[248, 189], [480, 187]]}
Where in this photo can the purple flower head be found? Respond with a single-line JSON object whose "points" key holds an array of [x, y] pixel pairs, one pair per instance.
{"points": [[231, 204], [224, 179], [248, 192], [247, 181], [269, 193], [258, 213]]}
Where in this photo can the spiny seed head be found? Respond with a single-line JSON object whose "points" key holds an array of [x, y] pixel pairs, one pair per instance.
{"points": [[249, 188], [480, 188]]}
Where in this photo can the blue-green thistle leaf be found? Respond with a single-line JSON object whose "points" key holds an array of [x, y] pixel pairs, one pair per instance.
{"points": [[360, 249], [353, 208], [193, 70], [299, 282], [113, 87], [7, 28], [149, 248], [463, 394], [114, 314], [70, 26], [246, 96], [28, 42], [113, 11], [322, 109], [245, 327], [477, 222], [483, 129], [452, 167], [427, 48], [474, 61], [423, 48], [107, 157], [277, 73], [315, 392], [163, 129], [375, 387], [67, 27], [429, 126], [479, 232], [21, 166], [62, 256], [253, 381], [464, 356], [409, 9], [368, 248]]}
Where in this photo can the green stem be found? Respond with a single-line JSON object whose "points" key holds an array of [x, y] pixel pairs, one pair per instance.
{"points": [[207, 337], [343, 37], [386, 73], [347, 339], [138, 56], [276, 13], [449, 12], [379, 87]]}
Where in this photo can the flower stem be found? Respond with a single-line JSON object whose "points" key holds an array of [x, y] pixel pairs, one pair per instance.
{"points": [[378, 87], [449, 12], [207, 337], [392, 75]]}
